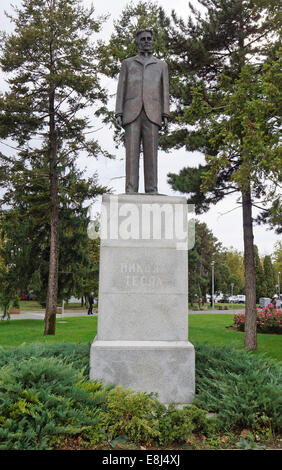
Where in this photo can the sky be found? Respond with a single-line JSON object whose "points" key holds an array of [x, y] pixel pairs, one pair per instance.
{"points": [[225, 218]]}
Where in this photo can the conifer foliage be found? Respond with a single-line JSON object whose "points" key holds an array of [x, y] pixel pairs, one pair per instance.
{"points": [[224, 74], [228, 110], [53, 79], [46, 399]]}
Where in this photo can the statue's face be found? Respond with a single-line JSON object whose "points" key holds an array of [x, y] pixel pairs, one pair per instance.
{"points": [[145, 42]]}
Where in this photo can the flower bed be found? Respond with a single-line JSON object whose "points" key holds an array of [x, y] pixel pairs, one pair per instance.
{"points": [[269, 320]]}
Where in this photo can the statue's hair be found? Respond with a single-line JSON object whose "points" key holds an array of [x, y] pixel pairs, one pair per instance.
{"points": [[144, 31]]}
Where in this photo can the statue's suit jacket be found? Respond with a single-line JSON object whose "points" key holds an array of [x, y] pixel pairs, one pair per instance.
{"points": [[143, 83]]}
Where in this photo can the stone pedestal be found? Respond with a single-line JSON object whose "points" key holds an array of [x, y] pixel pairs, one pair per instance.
{"points": [[143, 308]]}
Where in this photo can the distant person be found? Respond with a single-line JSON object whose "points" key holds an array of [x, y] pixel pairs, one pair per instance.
{"points": [[91, 302]]}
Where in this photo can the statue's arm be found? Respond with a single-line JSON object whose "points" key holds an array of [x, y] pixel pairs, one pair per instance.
{"points": [[120, 94], [165, 91], [165, 111]]}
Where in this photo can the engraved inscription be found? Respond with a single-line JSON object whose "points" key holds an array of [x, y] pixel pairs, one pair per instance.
{"points": [[144, 275], [146, 268], [143, 281]]}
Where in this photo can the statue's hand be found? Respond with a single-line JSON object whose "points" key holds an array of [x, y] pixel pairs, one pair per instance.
{"points": [[119, 121], [165, 123]]}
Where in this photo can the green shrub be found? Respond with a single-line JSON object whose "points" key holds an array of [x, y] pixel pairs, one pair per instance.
{"points": [[69, 353], [176, 425], [41, 401], [269, 320], [45, 396], [142, 419], [243, 389], [132, 414]]}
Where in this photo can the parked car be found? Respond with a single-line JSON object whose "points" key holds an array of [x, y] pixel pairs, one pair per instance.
{"points": [[74, 300], [221, 298], [237, 299]]}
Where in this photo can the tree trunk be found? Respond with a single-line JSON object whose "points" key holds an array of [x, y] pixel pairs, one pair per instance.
{"points": [[250, 273], [52, 291]]}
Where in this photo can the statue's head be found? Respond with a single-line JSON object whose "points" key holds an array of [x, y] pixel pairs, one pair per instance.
{"points": [[145, 40]]}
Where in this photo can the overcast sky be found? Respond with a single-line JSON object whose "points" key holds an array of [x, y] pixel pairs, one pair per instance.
{"points": [[224, 219]]}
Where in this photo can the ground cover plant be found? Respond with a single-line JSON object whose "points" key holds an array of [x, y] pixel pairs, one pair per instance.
{"points": [[46, 401], [243, 389], [42, 400]]}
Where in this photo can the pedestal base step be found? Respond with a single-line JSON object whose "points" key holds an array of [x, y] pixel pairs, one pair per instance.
{"points": [[164, 367]]}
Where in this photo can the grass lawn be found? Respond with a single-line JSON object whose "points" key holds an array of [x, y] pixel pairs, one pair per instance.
{"points": [[73, 330], [226, 304], [211, 329], [204, 328]]}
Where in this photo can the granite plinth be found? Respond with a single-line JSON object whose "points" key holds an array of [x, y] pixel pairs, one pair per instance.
{"points": [[164, 367], [143, 291]]}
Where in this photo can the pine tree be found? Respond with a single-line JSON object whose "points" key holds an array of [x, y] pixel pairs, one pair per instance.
{"points": [[53, 79], [224, 74], [25, 227], [228, 111]]}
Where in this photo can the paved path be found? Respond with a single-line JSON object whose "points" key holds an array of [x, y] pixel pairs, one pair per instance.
{"points": [[222, 312], [83, 313], [40, 315]]}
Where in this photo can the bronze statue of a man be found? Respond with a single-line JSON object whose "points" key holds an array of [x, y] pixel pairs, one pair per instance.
{"points": [[142, 107]]}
